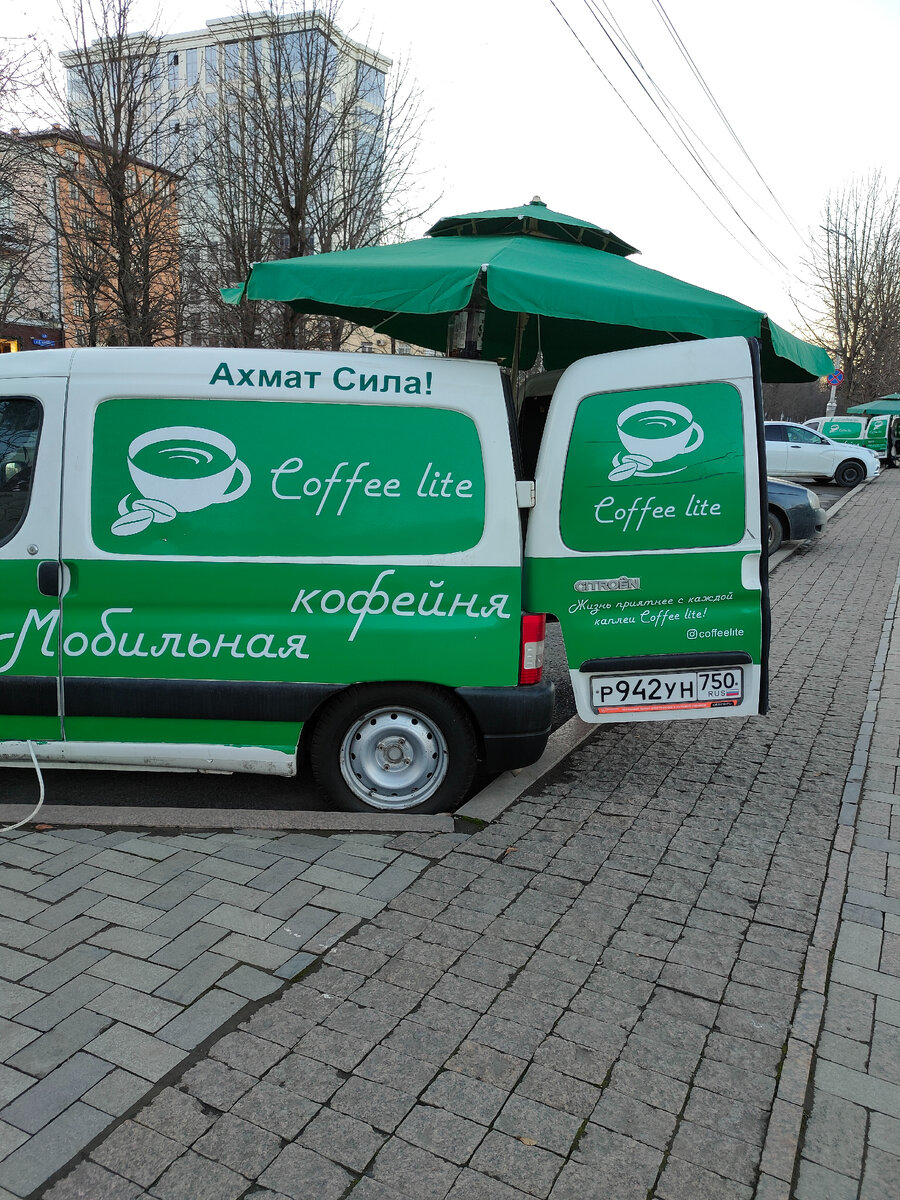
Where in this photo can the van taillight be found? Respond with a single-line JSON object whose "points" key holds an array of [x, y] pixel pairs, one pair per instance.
{"points": [[531, 661]]}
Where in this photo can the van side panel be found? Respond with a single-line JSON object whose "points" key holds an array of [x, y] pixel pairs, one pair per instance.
{"points": [[237, 556]]}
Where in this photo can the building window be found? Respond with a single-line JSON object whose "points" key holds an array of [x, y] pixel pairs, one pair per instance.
{"points": [[367, 348], [173, 72], [78, 308], [370, 85]]}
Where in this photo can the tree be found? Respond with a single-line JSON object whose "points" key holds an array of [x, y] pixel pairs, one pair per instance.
{"points": [[310, 146], [116, 214], [854, 277]]}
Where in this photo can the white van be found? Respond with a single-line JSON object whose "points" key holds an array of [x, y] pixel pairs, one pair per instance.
{"points": [[213, 559]]}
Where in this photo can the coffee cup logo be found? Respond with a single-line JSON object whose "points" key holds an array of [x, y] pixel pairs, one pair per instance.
{"points": [[656, 431], [179, 469]]}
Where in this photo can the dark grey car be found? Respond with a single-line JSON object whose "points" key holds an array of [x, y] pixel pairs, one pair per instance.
{"points": [[794, 513]]}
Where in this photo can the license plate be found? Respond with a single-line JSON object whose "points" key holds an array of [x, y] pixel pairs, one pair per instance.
{"points": [[667, 690]]}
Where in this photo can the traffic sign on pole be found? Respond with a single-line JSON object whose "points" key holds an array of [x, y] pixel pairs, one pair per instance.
{"points": [[835, 377]]}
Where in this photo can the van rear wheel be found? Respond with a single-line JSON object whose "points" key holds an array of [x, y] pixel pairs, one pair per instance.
{"points": [[394, 748]]}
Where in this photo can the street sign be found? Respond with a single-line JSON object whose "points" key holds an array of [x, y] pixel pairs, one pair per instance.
{"points": [[835, 377]]}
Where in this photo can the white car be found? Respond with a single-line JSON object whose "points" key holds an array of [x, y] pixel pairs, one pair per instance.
{"points": [[796, 452]]}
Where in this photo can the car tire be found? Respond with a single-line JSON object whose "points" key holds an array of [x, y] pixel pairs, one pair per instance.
{"points": [[776, 532], [850, 474], [394, 747]]}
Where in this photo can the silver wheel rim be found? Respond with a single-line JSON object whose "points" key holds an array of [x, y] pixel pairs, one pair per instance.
{"points": [[394, 758]]}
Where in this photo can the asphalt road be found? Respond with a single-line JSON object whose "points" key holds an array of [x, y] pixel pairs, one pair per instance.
{"points": [[165, 789]]}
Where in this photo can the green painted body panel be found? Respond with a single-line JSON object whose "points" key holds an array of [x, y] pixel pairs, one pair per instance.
{"points": [[284, 480], [184, 732], [661, 468], [853, 432], [688, 603]]}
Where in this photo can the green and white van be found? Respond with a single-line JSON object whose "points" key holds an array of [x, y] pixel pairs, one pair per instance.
{"points": [[871, 432], [227, 560]]}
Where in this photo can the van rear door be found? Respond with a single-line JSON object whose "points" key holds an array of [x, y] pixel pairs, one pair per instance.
{"points": [[646, 537]]}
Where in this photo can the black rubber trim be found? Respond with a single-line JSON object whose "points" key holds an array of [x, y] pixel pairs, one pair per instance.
{"points": [[198, 699], [763, 518], [28, 696], [667, 662], [511, 711], [504, 752]]}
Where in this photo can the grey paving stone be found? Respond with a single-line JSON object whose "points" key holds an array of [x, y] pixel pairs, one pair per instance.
{"points": [[194, 979], [236, 1143], [862, 1089], [134, 1008], [17, 933], [558, 1090], [50, 976], [248, 982], [244, 1052], [48, 1051], [118, 1092], [183, 949], [472, 1185], [289, 899], [91, 1182], [67, 910], [546, 1126], [305, 1076], [15, 964], [68, 935], [627, 1115], [528, 1168], [277, 876], [343, 1139], [215, 1084], [38, 1159], [166, 896], [201, 1019], [880, 1177], [184, 915], [731, 1157], [130, 972], [412, 1171], [347, 902], [125, 864], [682, 1179], [277, 1109], [137, 1152], [193, 1177], [298, 1171], [37, 1106], [340, 1050], [248, 949], [396, 1070], [14, 998], [443, 1133], [136, 1051], [13, 1037], [12, 1084], [815, 1182]]}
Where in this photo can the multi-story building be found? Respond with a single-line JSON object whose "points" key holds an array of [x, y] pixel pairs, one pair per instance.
{"points": [[216, 101], [58, 263]]}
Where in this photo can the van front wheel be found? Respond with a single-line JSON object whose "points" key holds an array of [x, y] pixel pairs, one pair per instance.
{"points": [[394, 748]]}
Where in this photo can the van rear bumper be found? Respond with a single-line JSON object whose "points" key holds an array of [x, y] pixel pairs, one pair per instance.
{"points": [[514, 722]]}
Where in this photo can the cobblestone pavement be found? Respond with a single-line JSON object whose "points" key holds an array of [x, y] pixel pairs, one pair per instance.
{"points": [[616, 989]]}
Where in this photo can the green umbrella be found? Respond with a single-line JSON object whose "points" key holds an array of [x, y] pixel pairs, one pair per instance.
{"points": [[545, 281], [883, 406]]}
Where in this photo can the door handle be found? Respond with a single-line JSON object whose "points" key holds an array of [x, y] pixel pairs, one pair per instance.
{"points": [[49, 579]]}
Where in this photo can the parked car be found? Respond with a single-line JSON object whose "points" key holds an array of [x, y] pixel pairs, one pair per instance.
{"points": [[795, 452], [795, 513]]}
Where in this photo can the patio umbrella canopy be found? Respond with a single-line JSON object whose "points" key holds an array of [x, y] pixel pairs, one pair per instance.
{"points": [[549, 282], [883, 406]]}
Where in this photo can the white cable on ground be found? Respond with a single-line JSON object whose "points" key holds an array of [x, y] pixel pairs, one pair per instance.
{"points": [[34, 813]]}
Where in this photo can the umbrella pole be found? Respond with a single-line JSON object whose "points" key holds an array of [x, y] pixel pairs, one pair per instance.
{"points": [[521, 322]]}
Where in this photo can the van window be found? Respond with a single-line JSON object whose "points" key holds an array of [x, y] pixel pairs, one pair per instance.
{"points": [[661, 468], [20, 423], [252, 479]]}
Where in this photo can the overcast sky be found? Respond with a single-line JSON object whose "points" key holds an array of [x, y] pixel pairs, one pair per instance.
{"points": [[518, 109]]}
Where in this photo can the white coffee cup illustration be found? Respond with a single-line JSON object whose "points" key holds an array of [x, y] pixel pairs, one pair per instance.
{"points": [[659, 430], [187, 467]]}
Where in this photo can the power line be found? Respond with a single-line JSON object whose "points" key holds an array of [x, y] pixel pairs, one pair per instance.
{"points": [[679, 133], [676, 126], [685, 53]]}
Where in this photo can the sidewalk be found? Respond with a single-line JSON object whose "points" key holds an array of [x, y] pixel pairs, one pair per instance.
{"points": [[615, 989]]}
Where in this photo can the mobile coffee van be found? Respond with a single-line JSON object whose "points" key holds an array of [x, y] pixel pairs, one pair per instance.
{"points": [[214, 560], [871, 432]]}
